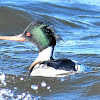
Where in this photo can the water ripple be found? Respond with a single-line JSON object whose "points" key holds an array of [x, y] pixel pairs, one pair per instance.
{"points": [[76, 22]]}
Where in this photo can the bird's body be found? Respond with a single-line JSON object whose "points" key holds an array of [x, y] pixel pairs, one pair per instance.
{"points": [[54, 68], [44, 38]]}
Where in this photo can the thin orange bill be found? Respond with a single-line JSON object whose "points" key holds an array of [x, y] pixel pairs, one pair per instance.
{"points": [[13, 38]]}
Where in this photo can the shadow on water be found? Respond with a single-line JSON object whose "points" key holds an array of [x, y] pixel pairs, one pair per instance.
{"points": [[13, 21], [71, 87]]}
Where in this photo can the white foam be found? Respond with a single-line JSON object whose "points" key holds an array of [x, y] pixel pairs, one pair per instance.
{"points": [[34, 87], [43, 84], [2, 78]]}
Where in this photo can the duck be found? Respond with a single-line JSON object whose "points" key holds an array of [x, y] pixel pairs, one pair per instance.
{"points": [[44, 37]]}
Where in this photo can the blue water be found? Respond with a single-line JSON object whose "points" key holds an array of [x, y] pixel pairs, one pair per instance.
{"points": [[77, 23]]}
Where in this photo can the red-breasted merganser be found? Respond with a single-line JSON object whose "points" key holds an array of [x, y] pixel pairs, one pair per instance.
{"points": [[44, 38]]}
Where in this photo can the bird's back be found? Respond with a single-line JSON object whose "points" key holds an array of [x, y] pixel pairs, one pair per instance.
{"points": [[62, 64]]}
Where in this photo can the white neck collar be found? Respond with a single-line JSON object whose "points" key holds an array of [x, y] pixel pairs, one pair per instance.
{"points": [[45, 55]]}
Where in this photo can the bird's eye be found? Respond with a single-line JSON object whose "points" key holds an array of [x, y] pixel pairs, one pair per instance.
{"points": [[28, 34]]}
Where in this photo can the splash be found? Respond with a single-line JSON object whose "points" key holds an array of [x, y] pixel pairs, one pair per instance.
{"points": [[2, 79]]}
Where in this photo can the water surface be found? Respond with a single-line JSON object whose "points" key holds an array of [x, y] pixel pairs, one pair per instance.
{"points": [[77, 23]]}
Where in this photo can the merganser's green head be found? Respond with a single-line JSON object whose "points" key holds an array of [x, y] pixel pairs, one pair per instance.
{"points": [[40, 34]]}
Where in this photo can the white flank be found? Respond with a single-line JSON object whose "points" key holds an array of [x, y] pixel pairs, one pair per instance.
{"points": [[46, 71]]}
